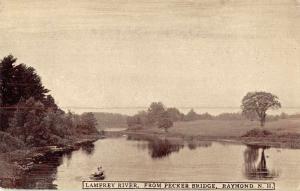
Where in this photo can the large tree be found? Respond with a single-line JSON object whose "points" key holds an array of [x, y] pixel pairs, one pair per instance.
{"points": [[258, 103], [155, 111], [16, 82]]}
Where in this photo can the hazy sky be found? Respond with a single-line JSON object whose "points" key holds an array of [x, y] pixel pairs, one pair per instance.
{"points": [[120, 53]]}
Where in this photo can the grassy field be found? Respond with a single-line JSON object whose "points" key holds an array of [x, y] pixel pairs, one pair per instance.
{"points": [[231, 128]]}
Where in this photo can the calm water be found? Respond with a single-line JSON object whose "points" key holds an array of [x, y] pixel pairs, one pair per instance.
{"points": [[163, 160]]}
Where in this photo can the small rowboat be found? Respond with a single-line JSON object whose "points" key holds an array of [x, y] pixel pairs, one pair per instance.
{"points": [[98, 176]]}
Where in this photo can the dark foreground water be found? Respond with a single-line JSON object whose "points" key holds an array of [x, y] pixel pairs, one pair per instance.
{"points": [[163, 160]]}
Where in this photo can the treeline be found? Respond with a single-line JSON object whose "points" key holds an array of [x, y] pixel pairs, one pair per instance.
{"points": [[157, 111], [29, 113], [110, 120], [156, 115]]}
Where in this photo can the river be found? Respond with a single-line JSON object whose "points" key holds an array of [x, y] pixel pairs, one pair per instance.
{"points": [[129, 158]]}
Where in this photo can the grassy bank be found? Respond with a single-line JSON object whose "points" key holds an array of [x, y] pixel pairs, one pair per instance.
{"points": [[284, 131]]}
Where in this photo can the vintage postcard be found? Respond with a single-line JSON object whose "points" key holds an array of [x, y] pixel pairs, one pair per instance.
{"points": [[150, 95]]}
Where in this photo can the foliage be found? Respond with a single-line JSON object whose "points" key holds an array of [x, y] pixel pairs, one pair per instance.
{"points": [[156, 115], [9, 143], [16, 82], [165, 121], [175, 114], [257, 133], [107, 120], [29, 115], [87, 124], [258, 103], [155, 110], [27, 122], [191, 115], [230, 116]]}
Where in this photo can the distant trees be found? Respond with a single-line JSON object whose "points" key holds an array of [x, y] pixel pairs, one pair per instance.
{"points": [[257, 103], [134, 121], [254, 106], [160, 116], [108, 120], [156, 115], [192, 115], [87, 123], [175, 114]]}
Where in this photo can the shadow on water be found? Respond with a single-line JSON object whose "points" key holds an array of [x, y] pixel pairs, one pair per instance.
{"points": [[89, 149], [192, 145], [163, 147], [256, 164], [44, 172], [157, 148], [42, 175]]}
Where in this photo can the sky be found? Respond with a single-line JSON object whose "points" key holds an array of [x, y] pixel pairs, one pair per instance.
{"points": [[129, 53]]}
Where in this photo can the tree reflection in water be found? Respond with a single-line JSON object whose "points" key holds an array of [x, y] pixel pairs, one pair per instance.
{"points": [[44, 172], [254, 170], [193, 144], [88, 148], [162, 148], [42, 175]]}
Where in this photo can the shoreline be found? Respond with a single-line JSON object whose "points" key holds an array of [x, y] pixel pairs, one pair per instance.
{"points": [[270, 141], [18, 163]]}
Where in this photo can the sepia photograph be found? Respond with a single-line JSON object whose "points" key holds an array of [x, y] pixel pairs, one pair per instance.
{"points": [[150, 95]]}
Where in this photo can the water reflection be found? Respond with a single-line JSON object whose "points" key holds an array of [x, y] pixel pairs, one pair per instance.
{"points": [[89, 148], [192, 145], [44, 172], [42, 175], [141, 160], [162, 148], [256, 163]]}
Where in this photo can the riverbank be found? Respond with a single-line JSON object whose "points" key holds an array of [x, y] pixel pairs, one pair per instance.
{"points": [[15, 164], [283, 133]]}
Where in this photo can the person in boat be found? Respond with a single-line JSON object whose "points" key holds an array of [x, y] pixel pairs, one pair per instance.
{"points": [[100, 169]]}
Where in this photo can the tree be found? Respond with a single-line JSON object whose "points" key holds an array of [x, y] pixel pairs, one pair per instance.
{"points": [[27, 83], [16, 82], [6, 90], [191, 115], [27, 122], [134, 121], [87, 124], [49, 103], [89, 120], [175, 114], [155, 111], [165, 121], [259, 103]]}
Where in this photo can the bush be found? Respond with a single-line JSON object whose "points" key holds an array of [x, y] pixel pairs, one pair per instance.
{"points": [[9, 143], [257, 133]]}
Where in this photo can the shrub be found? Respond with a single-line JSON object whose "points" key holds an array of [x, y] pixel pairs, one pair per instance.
{"points": [[257, 133], [9, 143]]}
